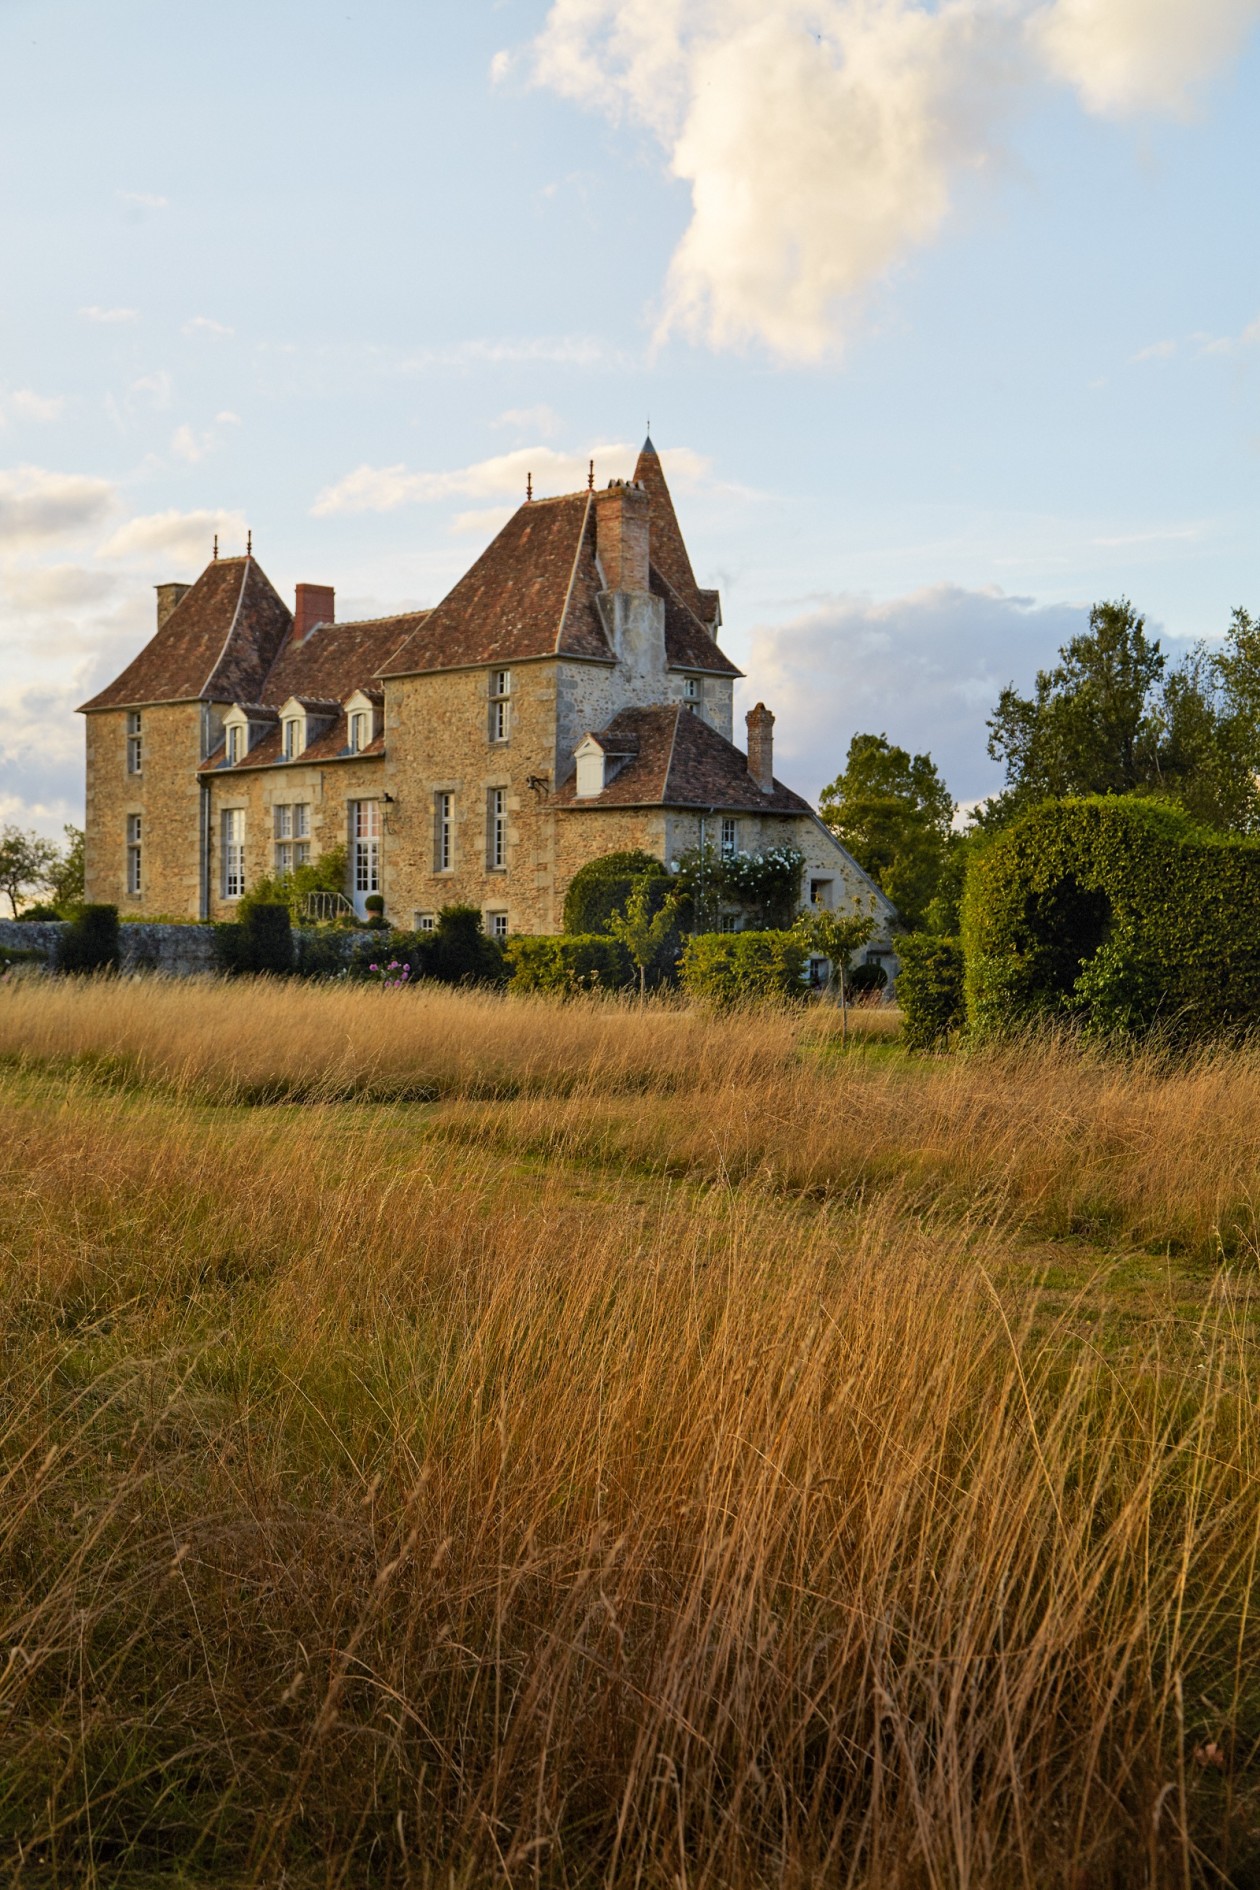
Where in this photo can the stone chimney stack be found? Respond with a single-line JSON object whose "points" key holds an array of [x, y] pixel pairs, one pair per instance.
{"points": [[316, 603], [621, 535], [761, 747], [168, 595]]}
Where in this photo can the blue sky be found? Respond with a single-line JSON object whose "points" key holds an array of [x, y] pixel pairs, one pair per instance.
{"points": [[947, 318]]}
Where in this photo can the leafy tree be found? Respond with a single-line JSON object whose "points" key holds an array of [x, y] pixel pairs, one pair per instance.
{"points": [[893, 812], [766, 886], [27, 863], [641, 930], [835, 936], [65, 878]]}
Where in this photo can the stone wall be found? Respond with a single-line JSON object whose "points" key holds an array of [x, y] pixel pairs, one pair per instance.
{"points": [[167, 797], [325, 788], [179, 950]]}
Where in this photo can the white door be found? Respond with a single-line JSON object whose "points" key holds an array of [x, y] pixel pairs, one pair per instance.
{"points": [[365, 852]]}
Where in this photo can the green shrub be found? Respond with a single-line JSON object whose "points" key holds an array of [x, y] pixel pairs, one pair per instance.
{"points": [[602, 886], [42, 911], [458, 951], [90, 940], [321, 954], [930, 989], [568, 963], [733, 967], [260, 942], [1118, 915]]}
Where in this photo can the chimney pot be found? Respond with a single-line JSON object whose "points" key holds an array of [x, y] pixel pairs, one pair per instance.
{"points": [[761, 747], [168, 595], [316, 603]]}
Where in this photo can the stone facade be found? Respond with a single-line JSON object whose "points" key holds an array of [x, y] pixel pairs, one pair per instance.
{"points": [[439, 747]]}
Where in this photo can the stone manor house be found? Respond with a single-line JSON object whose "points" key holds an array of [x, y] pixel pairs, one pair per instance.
{"points": [[567, 698]]}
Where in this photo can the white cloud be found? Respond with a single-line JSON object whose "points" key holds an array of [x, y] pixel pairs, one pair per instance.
{"points": [[30, 406], [1127, 56], [178, 537], [37, 589], [384, 488], [145, 199], [1157, 351], [38, 506], [187, 444], [204, 325], [544, 421], [925, 669], [823, 140], [151, 390], [95, 314]]}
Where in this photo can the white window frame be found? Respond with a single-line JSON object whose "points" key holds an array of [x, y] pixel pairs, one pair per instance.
{"points": [[424, 921], [232, 832], [135, 742], [291, 737], [360, 731], [496, 829], [234, 742], [730, 836], [497, 925], [691, 691], [134, 854], [500, 705], [365, 846], [444, 831]]}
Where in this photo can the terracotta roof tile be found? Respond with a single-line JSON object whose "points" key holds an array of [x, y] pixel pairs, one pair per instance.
{"points": [[217, 644], [335, 659], [530, 593], [331, 745], [688, 644], [680, 762], [667, 547]]}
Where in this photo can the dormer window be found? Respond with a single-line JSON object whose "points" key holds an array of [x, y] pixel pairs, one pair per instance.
{"points": [[235, 743], [360, 731], [590, 769], [292, 730], [691, 692]]}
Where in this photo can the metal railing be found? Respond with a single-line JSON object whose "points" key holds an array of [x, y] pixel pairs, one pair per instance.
{"points": [[319, 907]]}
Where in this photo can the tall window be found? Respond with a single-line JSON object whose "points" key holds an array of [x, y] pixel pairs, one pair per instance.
{"points": [[500, 704], [133, 853], [292, 738], [691, 691], [359, 733], [496, 829], [365, 846], [233, 852], [235, 743], [135, 742], [730, 838], [443, 832], [292, 827], [496, 925]]}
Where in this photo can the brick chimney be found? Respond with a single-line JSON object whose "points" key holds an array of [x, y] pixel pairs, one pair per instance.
{"points": [[761, 747], [168, 595], [621, 535], [316, 603]]}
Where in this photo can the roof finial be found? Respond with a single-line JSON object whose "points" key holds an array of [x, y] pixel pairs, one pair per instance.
{"points": [[590, 477], [216, 547], [249, 544], [529, 487]]}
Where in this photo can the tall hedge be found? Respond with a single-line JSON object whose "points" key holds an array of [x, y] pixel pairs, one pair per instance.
{"points": [[603, 885], [564, 963], [1116, 913], [732, 967], [90, 941], [930, 990]]}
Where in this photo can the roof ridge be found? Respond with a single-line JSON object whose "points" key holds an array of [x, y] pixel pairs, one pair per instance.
{"points": [[673, 743], [577, 553], [205, 687]]}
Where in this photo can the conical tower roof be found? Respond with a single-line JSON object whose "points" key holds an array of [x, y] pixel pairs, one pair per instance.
{"points": [[666, 546]]}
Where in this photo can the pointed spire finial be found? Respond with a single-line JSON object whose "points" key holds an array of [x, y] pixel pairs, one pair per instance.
{"points": [[249, 544], [529, 486], [590, 477], [216, 547]]}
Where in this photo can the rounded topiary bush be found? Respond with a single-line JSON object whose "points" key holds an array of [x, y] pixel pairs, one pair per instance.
{"points": [[602, 886], [90, 941]]}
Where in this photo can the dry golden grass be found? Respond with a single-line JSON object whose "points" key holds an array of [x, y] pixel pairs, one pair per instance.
{"points": [[655, 1462]]}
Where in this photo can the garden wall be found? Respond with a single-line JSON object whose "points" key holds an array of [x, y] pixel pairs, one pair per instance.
{"points": [[179, 951]]}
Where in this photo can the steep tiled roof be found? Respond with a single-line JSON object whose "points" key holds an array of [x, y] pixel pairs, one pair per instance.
{"points": [[680, 762], [335, 659], [531, 593], [217, 644], [666, 546], [688, 644], [332, 745]]}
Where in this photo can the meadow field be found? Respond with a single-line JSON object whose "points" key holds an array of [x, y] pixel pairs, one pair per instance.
{"points": [[460, 1440]]}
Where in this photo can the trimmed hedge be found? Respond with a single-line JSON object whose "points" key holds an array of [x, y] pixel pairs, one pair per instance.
{"points": [[260, 943], [930, 989], [602, 886], [90, 941], [733, 967], [568, 963], [1118, 914]]}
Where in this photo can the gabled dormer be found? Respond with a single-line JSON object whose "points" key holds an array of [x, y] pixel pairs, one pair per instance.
{"points": [[365, 719], [302, 718], [600, 759], [244, 726]]}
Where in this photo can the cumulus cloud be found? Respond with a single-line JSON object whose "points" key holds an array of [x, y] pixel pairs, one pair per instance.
{"points": [[204, 325], [95, 314], [1125, 56], [823, 140], [544, 421], [37, 507], [925, 669], [27, 405], [151, 390], [177, 537], [187, 444], [384, 488]]}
